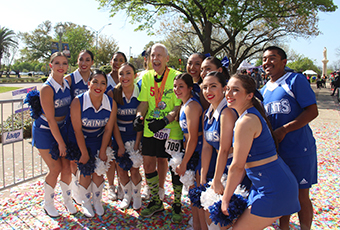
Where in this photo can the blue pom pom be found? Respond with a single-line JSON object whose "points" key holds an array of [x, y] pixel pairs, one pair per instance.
{"points": [[124, 162], [72, 151], [88, 168], [54, 151], [33, 100], [193, 162], [195, 194], [237, 205]]}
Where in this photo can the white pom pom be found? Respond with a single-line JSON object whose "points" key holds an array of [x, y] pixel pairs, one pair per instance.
{"points": [[109, 153], [209, 197], [129, 145], [175, 160], [136, 158], [188, 179], [241, 190], [224, 179], [100, 167]]}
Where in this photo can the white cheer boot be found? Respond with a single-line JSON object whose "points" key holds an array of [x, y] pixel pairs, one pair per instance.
{"points": [[49, 201], [97, 197], [127, 195], [66, 191], [86, 205], [75, 187], [136, 195]]}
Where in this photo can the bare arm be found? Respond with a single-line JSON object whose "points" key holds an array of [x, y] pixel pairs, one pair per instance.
{"points": [[172, 114], [142, 108], [47, 104], [245, 132], [228, 118], [309, 114], [193, 112]]}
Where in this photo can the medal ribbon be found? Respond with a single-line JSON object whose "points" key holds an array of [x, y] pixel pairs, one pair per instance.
{"points": [[159, 91]]}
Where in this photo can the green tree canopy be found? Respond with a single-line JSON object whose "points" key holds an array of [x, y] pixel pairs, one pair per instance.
{"points": [[302, 63], [7, 41], [243, 27], [107, 46]]}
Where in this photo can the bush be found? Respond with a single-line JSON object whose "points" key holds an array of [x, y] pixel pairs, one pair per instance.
{"points": [[106, 68], [17, 124]]}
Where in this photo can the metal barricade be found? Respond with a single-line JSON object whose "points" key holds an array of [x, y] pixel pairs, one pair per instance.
{"points": [[19, 161]]}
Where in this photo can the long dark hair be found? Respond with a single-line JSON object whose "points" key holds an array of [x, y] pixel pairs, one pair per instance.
{"points": [[118, 90], [217, 62], [249, 84]]}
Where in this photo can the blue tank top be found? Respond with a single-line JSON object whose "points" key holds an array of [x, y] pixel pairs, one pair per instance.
{"points": [[263, 146], [94, 121], [184, 127], [212, 124], [78, 85], [61, 97], [127, 112]]}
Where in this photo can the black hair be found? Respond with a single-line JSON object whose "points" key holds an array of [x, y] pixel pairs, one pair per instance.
{"points": [[87, 51], [217, 62], [280, 51], [249, 84], [118, 90], [146, 56], [97, 72], [186, 78], [119, 52], [220, 76]]}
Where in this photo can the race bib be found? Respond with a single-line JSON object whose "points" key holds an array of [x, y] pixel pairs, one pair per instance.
{"points": [[173, 147], [162, 134]]}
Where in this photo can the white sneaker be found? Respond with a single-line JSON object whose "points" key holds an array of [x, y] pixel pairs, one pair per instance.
{"points": [[112, 193], [146, 193], [161, 193]]}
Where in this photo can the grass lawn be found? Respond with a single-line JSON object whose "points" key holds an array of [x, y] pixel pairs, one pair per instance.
{"points": [[4, 89]]}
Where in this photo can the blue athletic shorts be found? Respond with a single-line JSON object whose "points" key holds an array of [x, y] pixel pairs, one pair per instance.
{"points": [[274, 190], [305, 169]]}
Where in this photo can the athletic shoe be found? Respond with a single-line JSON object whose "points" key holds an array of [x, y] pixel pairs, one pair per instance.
{"points": [[161, 193], [153, 207], [176, 213]]}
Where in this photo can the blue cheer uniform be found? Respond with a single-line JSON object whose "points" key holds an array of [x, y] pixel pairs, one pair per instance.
{"points": [[110, 83], [125, 115], [274, 190], [94, 121], [42, 136], [184, 127], [78, 85], [284, 100]]}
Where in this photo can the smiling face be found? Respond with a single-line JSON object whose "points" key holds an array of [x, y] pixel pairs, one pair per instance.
{"points": [[207, 67], [117, 60], [237, 96], [84, 62], [126, 75], [212, 90], [59, 65], [97, 85], [159, 58], [181, 89], [273, 64], [194, 66]]}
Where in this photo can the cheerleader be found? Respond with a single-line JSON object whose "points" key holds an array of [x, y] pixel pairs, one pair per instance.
{"points": [[78, 84], [190, 117], [125, 94], [274, 190], [50, 130], [218, 125], [93, 115]]}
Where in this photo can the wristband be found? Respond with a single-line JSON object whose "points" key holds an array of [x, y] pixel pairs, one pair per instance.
{"points": [[166, 120]]}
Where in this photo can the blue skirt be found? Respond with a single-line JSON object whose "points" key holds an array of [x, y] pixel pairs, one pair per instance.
{"points": [[274, 190]]}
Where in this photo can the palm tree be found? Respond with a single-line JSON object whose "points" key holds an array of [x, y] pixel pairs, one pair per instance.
{"points": [[7, 40]]}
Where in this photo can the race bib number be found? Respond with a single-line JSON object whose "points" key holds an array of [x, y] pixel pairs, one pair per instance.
{"points": [[173, 146], [162, 134]]}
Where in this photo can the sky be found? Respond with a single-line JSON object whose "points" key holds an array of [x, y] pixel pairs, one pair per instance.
{"points": [[26, 15]]}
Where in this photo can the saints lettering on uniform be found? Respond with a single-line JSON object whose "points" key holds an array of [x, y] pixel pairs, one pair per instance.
{"points": [[275, 107], [94, 122], [62, 102], [212, 136]]}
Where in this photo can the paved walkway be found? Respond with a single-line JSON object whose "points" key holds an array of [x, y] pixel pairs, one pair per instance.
{"points": [[21, 206]]}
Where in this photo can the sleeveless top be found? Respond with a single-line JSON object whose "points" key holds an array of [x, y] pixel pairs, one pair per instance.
{"points": [[183, 123], [263, 146], [61, 97], [212, 124], [94, 121], [78, 85]]}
